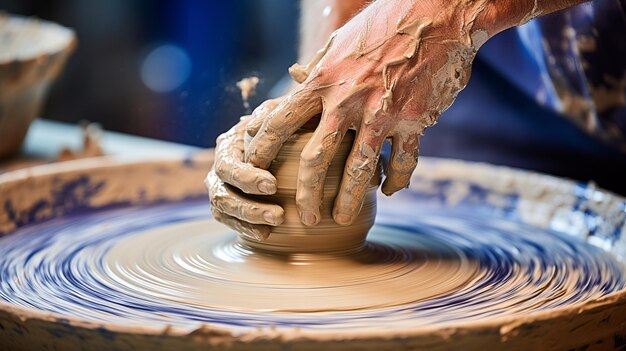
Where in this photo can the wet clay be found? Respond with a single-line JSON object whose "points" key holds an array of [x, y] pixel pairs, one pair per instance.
{"points": [[458, 261], [172, 265], [92, 143], [326, 236], [247, 86]]}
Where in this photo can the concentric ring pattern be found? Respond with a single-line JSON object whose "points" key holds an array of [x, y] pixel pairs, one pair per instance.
{"points": [[170, 264]]}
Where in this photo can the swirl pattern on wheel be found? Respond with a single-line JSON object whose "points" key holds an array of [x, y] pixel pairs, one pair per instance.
{"points": [[171, 264]]}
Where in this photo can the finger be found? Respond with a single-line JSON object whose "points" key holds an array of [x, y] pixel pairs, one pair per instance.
{"points": [[286, 118], [260, 114], [228, 201], [314, 162], [361, 166], [301, 73], [255, 124], [402, 163], [256, 232], [230, 168]]}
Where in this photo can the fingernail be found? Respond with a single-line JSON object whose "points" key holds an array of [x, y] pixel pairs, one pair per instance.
{"points": [[343, 219], [308, 218], [268, 216], [267, 187]]}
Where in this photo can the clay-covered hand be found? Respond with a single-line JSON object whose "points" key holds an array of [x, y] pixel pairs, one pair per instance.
{"points": [[231, 179], [388, 74]]}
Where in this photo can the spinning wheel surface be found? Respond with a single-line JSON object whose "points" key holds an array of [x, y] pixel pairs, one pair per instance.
{"points": [[467, 251]]}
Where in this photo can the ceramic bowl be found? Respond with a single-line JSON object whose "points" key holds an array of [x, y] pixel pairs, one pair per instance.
{"points": [[33, 53]]}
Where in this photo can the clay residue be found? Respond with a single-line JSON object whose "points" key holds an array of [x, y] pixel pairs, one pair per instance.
{"points": [[414, 31], [247, 86], [479, 37], [92, 141], [534, 12], [300, 73], [452, 77]]}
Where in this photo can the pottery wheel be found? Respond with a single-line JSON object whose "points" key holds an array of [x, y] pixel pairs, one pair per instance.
{"points": [[456, 251], [172, 264]]}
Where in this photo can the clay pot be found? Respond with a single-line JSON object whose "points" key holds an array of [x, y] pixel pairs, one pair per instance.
{"points": [[294, 237], [33, 54]]}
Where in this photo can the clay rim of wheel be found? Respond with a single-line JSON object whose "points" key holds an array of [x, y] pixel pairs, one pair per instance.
{"points": [[501, 325]]}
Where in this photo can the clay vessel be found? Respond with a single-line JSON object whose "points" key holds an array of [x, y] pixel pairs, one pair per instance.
{"points": [[294, 237], [33, 54]]}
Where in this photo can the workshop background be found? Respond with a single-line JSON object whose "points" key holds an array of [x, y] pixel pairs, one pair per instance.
{"points": [[166, 69]]}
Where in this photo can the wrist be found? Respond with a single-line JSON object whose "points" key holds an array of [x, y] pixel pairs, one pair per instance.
{"points": [[320, 18]]}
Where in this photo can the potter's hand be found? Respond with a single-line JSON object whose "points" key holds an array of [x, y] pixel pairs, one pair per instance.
{"points": [[388, 74], [230, 176]]}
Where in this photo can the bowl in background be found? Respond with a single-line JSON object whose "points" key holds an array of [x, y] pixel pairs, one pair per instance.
{"points": [[32, 54]]}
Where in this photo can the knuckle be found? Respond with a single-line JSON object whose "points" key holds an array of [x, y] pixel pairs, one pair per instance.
{"points": [[269, 104], [221, 168], [235, 177], [219, 201], [248, 211], [361, 171], [310, 158], [232, 174], [253, 127], [262, 154], [303, 201], [403, 162]]}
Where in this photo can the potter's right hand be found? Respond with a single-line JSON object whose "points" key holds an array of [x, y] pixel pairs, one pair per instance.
{"points": [[388, 73], [231, 179]]}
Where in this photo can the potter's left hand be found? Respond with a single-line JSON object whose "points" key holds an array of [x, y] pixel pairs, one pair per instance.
{"points": [[230, 178], [388, 74]]}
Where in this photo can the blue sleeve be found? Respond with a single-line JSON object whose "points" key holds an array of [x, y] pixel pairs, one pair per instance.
{"points": [[575, 64]]}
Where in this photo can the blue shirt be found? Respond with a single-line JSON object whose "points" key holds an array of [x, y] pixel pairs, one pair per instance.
{"points": [[546, 96], [573, 62]]}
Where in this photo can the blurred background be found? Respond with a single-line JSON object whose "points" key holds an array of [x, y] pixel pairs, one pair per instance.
{"points": [[166, 69]]}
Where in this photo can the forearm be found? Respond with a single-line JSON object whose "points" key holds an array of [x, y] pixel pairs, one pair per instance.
{"points": [[319, 19], [500, 15]]}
